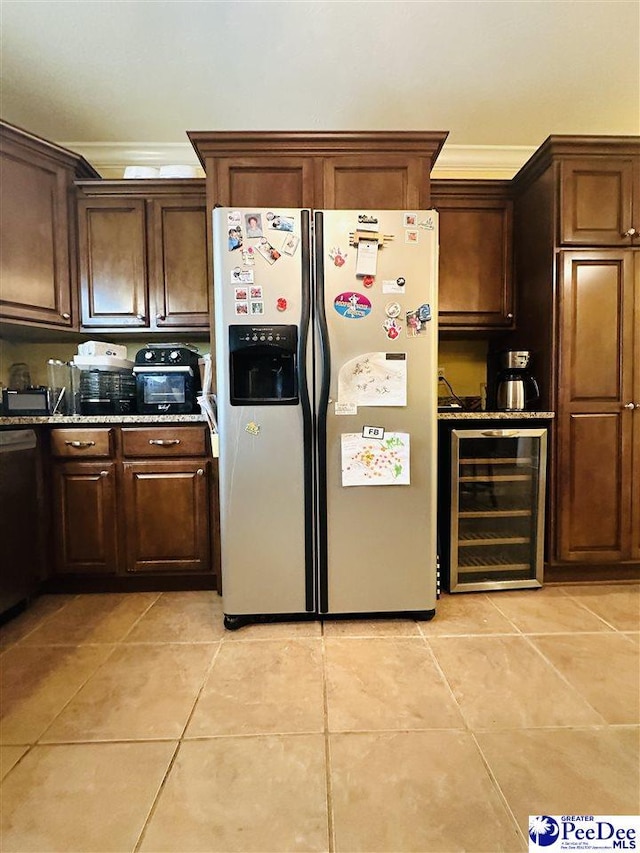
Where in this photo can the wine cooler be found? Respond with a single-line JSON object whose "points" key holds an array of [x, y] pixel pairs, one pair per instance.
{"points": [[498, 479]]}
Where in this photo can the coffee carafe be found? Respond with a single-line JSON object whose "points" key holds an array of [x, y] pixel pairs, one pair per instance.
{"points": [[516, 389]]}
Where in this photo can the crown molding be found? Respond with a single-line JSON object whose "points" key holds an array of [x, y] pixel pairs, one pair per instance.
{"points": [[112, 158], [454, 161], [481, 161]]}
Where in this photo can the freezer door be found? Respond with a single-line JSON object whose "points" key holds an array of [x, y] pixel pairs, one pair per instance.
{"points": [[377, 322], [263, 338]]}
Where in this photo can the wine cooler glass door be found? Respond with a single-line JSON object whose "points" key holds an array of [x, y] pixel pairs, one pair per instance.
{"points": [[497, 508]]}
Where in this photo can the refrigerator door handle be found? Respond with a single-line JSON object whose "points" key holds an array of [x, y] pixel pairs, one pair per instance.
{"points": [[307, 412], [323, 407]]}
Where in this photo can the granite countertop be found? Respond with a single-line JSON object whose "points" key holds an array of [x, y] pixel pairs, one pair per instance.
{"points": [[461, 415], [85, 420]]}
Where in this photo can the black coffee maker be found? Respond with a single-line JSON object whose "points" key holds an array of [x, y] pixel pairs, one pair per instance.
{"points": [[515, 388]]}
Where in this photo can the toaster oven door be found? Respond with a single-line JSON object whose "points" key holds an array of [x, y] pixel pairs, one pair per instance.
{"points": [[165, 390]]}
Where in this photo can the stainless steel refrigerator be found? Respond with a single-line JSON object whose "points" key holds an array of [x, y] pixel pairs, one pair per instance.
{"points": [[326, 374]]}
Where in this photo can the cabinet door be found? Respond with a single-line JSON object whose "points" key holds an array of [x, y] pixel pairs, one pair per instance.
{"points": [[379, 182], [597, 198], [113, 263], [594, 477], [179, 278], [264, 182], [34, 244], [475, 282], [85, 526], [166, 516]]}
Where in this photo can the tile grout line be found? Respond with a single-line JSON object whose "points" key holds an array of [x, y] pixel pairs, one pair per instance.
{"points": [[443, 676], [38, 625], [141, 616], [498, 789], [180, 741], [114, 646], [152, 807], [331, 830], [578, 600], [504, 615], [563, 677]]}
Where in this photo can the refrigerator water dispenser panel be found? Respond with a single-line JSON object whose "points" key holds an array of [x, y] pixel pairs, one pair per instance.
{"points": [[262, 365]]}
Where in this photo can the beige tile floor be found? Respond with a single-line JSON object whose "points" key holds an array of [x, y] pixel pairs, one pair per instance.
{"points": [[135, 723]]}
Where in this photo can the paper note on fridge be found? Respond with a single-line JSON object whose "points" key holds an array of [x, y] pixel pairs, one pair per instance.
{"points": [[374, 379], [367, 257], [375, 462]]}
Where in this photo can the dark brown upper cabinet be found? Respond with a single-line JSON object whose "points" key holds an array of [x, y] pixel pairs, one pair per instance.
{"points": [[37, 245], [143, 255], [318, 170], [475, 282], [600, 200]]}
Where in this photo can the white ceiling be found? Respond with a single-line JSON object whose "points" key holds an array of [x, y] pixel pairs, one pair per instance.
{"points": [[140, 73]]}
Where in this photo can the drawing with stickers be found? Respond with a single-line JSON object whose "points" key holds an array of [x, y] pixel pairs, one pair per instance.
{"points": [[375, 462], [374, 379]]}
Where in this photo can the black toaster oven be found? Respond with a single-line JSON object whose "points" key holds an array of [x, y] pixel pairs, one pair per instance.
{"points": [[167, 379], [25, 402]]}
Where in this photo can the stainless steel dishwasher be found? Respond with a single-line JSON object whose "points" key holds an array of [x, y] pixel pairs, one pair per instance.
{"points": [[20, 518]]}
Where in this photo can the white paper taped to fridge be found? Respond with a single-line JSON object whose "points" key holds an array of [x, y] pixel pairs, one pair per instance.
{"points": [[375, 462], [374, 379], [367, 257]]}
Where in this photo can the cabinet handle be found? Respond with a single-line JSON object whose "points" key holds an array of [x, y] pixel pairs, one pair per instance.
{"points": [[66, 316], [80, 443], [630, 233], [164, 442], [104, 473], [500, 433], [200, 472], [629, 405]]}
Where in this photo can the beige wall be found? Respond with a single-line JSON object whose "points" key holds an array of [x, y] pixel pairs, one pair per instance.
{"points": [[464, 361], [36, 355], [465, 366]]}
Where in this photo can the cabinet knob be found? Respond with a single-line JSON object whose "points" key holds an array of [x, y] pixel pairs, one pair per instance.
{"points": [[509, 316], [160, 317], [629, 405], [140, 317], [104, 473], [66, 316], [200, 472], [630, 233]]}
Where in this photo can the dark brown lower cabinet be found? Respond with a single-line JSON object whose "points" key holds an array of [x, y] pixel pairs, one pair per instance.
{"points": [[84, 507], [598, 421], [166, 515], [133, 506]]}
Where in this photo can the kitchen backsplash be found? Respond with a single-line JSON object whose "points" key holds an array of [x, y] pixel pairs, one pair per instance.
{"points": [[36, 355], [465, 366], [464, 362]]}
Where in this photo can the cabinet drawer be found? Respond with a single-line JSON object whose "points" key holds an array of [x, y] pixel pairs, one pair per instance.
{"points": [[80, 443], [164, 441]]}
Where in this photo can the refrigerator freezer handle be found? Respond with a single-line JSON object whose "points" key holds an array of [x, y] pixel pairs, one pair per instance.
{"points": [[323, 407], [307, 413]]}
